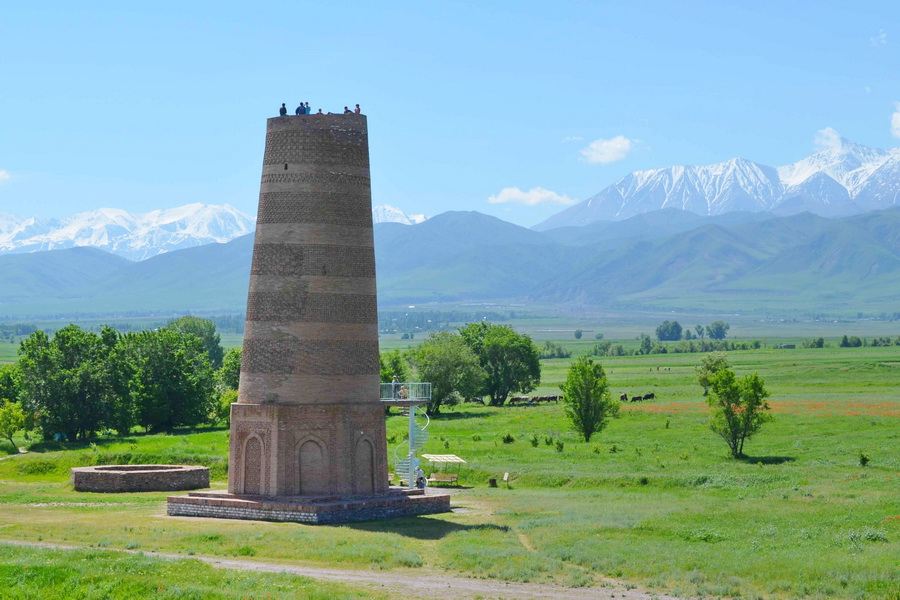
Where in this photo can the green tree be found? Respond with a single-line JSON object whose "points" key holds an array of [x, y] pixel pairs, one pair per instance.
{"points": [[65, 381], [394, 362], [738, 407], [700, 331], [668, 331], [646, 344], [586, 397], [511, 360], [717, 330], [174, 384], [710, 364], [12, 420], [9, 381], [578, 334], [229, 375], [449, 364], [206, 331]]}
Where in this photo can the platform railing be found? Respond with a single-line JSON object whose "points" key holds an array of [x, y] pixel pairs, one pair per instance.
{"points": [[400, 390]]}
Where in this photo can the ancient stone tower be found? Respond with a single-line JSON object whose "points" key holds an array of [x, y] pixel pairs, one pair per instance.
{"points": [[308, 420]]}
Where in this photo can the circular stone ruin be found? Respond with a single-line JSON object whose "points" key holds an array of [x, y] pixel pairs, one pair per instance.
{"points": [[140, 478]]}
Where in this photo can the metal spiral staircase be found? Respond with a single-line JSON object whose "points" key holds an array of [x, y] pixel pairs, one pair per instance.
{"points": [[412, 399]]}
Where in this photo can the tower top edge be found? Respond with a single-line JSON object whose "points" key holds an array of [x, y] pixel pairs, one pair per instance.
{"points": [[316, 121]]}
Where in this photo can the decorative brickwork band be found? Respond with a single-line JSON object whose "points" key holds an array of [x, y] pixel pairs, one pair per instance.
{"points": [[302, 307], [336, 208], [320, 357], [313, 259]]}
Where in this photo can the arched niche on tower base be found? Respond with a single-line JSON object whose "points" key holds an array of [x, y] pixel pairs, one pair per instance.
{"points": [[312, 467], [364, 467], [253, 466]]}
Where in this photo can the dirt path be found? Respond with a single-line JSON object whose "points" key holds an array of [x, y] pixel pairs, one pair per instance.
{"points": [[432, 584]]}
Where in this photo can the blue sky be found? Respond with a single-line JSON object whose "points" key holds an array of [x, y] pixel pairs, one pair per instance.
{"points": [[153, 105]]}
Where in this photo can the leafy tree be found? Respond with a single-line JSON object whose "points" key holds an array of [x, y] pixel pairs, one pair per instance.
{"points": [[222, 413], [174, 382], [710, 364], [9, 381], [449, 364], [511, 360], [12, 420], [229, 375], [700, 331], [394, 362], [717, 330], [668, 331], [66, 381], [586, 397], [599, 336], [738, 407], [578, 334], [551, 350], [206, 331], [646, 344], [687, 334]]}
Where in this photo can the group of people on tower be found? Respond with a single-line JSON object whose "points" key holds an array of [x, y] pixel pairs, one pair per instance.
{"points": [[304, 109]]}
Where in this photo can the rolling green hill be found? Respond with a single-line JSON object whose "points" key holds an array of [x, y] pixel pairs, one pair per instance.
{"points": [[663, 261]]}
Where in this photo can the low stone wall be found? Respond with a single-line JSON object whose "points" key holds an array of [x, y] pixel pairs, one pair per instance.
{"points": [[299, 510], [140, 478]]}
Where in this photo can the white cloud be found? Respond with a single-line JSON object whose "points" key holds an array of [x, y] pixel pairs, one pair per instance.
{"points": [[573, 138], [880, 39], [895, 121], [5, 175], [608, 151], [532, 197], [827, 139]]}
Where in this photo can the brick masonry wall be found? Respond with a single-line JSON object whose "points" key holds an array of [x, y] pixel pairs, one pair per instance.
{"points": [[326, 513], [140, 478], [308, 418]]}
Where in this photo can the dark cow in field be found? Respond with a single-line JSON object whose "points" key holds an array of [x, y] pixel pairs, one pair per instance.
{"points": [[649, 396], [623, 397], [519, 400], [637, 398]]}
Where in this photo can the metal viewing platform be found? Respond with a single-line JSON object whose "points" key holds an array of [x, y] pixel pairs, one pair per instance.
{"points": [[405, 393]]}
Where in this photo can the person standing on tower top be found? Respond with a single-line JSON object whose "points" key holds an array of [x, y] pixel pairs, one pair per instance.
{"points": [[308, 111], [300, 110], [283, 110], [357, 111]]}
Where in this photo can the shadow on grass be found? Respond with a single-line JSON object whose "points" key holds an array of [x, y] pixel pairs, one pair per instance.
{"points": [[767, 460], [421, 528]]}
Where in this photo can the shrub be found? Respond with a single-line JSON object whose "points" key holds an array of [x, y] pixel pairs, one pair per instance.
{"points": [[508, 438], [535, 440], [863, 459], [560, 446]]}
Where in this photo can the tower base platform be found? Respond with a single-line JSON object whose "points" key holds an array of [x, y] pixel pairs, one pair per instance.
{"points": [[316, 510]]}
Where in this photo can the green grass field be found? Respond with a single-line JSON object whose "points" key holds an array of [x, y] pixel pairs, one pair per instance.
{"points": [[653, 499]]}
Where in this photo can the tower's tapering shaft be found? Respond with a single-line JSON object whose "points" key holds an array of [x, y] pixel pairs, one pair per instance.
{"points": [[308, 418]]}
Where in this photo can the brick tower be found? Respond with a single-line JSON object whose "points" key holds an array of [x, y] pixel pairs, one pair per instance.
{"points": [[308, 418], [307, 432]]}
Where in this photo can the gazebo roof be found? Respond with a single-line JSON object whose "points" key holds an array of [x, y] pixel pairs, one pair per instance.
{"points": [[442, 458]]}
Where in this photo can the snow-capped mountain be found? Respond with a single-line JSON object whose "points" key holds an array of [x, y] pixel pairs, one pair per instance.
{"points": [[133, 236], [841, 179], [389, 214]]}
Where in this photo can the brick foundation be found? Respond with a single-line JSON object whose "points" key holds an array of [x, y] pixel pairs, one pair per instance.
{"points": [[315, 510]]}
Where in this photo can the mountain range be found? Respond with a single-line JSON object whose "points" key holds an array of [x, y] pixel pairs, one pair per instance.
{"points": [[138, 236], [135, 236], [664, 260], [841, 179]]}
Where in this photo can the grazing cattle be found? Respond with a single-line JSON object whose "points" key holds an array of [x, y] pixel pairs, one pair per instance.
{"points": [[518, 400], [637, 398], [623, 397], [649, 396]]}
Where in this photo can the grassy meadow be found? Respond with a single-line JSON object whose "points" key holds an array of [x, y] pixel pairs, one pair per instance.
{"points": [[653, 499]]}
